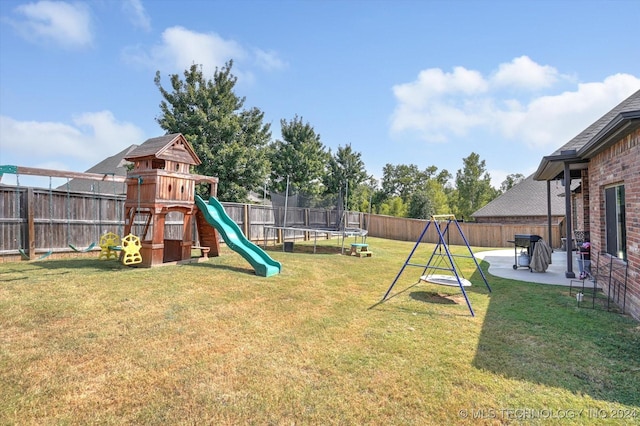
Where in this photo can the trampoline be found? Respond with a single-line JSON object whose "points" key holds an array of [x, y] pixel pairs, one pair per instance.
{"points": [[327, 232], [293, 216]]}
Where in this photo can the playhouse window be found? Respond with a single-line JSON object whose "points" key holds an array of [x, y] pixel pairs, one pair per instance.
{"points": [[615, 222], [158, 164]]}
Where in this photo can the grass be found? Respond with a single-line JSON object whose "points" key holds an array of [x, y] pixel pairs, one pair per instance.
{"points": [[84, 341]]}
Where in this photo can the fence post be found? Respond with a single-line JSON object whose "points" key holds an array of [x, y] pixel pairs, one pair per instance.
{"points": [[31, 224], [247, 225]]}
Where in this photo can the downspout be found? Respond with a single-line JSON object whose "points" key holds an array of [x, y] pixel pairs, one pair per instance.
{"points": [[567, 207], [549, 216]]}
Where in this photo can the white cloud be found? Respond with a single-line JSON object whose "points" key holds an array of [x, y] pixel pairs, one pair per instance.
{"points": [[430, 105], [433, 83], [61, 23], [438, 106], [186, 47], [269, 60], [181, 48], [104, 132], [524, 73], [137, 14], [91, 138], [552, 120], [436, 122]]}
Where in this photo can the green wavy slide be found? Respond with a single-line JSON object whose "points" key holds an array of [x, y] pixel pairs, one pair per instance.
{"points": [[215, 215]]}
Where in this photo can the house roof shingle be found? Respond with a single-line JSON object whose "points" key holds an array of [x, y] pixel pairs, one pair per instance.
{"points": [[527, 198]]}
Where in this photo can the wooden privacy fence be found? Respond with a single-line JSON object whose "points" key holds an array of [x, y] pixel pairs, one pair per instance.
{"points": [[477, 234], [40, 220], [44, 220]]}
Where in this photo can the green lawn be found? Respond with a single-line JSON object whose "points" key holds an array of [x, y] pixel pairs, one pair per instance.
{"points": [[84, 341]]}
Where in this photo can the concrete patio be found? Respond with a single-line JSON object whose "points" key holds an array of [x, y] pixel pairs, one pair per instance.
{"points": [[501, 265]]}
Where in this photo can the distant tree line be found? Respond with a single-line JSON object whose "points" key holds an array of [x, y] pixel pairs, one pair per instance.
{"points": [[235, 145]]}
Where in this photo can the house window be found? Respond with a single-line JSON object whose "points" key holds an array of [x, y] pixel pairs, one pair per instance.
{"points": [[616, 229]]}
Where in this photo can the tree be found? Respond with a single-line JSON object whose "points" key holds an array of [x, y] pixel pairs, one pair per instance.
{"points": [[301, 156], [510, 181], [443, 178], [364, 196], [403, 180], [230, 141], [346, 171], [420, 206], [429, 200], [393, 206], [417, 189], [473, 185], [378, 199]]}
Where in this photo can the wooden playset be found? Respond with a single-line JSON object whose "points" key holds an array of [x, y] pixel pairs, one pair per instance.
{"points": [[158, 184]]}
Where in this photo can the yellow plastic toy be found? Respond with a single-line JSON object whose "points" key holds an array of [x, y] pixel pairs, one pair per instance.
{"points": [[131, 247], [109, 245]]}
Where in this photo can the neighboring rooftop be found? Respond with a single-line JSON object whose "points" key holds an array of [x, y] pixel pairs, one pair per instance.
{"points": [[114, 165], [526, 199]]}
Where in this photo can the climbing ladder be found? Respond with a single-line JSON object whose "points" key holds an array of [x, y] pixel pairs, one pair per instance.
{"points": [[444, 264]]}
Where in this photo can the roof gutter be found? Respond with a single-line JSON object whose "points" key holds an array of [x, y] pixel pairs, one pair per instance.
{"points": [[621, 124], [552, 166]]}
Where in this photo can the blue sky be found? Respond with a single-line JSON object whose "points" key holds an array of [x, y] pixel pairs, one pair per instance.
{"points": [[404, 82]]}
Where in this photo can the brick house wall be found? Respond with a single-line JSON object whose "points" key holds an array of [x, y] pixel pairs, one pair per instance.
{"points": [[580, 206], [585, 200], [619, 164], [578, 217]]}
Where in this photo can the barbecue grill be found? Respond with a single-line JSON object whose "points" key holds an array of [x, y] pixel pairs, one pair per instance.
{"points": [[524, 241]]}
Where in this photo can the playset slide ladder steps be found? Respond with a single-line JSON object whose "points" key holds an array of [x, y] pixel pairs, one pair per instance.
{"points": [[207, 234]]}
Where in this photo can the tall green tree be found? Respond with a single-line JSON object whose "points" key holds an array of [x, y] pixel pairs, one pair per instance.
{"points": [[420, 205], [430, 199], [378, 199], [301, 156], [403, 180], [231, 141], [365, 196], [510, 181], [393, 206], [346, 173], [473, 186], [423, 192]]}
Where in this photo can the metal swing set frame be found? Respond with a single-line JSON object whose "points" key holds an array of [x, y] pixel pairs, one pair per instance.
{"points": [[453, 275]]}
